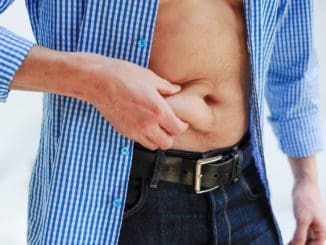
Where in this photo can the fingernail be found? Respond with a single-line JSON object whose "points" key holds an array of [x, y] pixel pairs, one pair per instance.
{"points": [[186, 125], [176, 86]]}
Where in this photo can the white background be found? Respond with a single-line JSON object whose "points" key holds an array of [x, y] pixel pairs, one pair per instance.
{"points": [[20, 121]]}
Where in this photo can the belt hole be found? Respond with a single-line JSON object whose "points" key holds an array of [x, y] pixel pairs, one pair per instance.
{"points": [[185, 171]]}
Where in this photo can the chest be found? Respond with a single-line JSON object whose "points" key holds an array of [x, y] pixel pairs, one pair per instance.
{"points": [[198, 39], [103, 26]]}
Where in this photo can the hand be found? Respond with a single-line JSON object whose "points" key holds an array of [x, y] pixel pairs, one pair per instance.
{"points": [[309, 210], [131, 98]]}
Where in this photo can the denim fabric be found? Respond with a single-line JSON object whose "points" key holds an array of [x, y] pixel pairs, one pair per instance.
{"points": [[80, 175], [236, 213]]}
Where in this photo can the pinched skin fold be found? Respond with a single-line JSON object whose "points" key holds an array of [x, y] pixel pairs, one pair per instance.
{"points": [[201, 45]]}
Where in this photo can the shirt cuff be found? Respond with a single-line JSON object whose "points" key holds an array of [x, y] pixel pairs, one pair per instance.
{"points": [[301, 137], [13, 49]]}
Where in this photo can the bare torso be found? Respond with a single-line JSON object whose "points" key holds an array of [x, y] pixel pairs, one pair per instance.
{"points": [[201, 45]]}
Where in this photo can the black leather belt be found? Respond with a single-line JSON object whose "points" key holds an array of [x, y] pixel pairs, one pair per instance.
{"points": [[204, 171]]}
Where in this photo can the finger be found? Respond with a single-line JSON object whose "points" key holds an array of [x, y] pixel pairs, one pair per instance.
{"points": [[315, 242], [319, 242], [318, 230], [300, 234], [166, 88], [147, 143], [316, 236], [172, 124], [311, 236], [160, 138], [164, 115]]}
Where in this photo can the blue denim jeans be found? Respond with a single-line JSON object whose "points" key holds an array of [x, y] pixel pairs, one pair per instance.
{"points": [[235, 213]]}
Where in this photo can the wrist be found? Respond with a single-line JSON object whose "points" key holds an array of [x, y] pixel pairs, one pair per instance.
{"points": [[76, 76], [89, 74], [304, 169], [50, 71]]}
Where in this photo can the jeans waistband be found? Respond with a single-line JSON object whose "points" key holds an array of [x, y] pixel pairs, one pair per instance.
{"points": [[202, 170]]}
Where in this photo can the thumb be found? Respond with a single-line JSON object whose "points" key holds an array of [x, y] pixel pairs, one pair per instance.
{"points": [[166, 88], [300, 234]]}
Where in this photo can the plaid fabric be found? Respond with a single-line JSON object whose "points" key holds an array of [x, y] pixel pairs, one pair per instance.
{"points": [[78, 185]]}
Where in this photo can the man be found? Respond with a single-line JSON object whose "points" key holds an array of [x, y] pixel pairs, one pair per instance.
{"points": [[211, 63]]}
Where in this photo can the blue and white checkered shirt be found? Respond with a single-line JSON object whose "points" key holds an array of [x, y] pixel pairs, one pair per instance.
{"points": [[78, 185]]}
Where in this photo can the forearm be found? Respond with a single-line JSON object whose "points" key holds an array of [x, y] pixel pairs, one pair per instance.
{"points": [[304, 168], [53, 71], [115, 87], [308, 207]]}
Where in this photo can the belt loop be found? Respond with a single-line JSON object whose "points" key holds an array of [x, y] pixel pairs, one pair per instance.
{"points": [[159, 159], [237, 162]]}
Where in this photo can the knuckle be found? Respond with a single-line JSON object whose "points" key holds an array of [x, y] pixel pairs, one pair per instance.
{"points": [[158, 112], [164, 145], [151, 147], [144, 127], [173, 132], [176, 130]]}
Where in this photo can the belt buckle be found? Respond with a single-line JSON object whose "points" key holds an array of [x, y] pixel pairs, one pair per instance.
{"points": [[198, 174]]}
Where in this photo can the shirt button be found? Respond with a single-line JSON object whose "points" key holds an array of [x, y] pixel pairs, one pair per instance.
{"points": [[117, 203], [124, 150], [142, 43]]}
